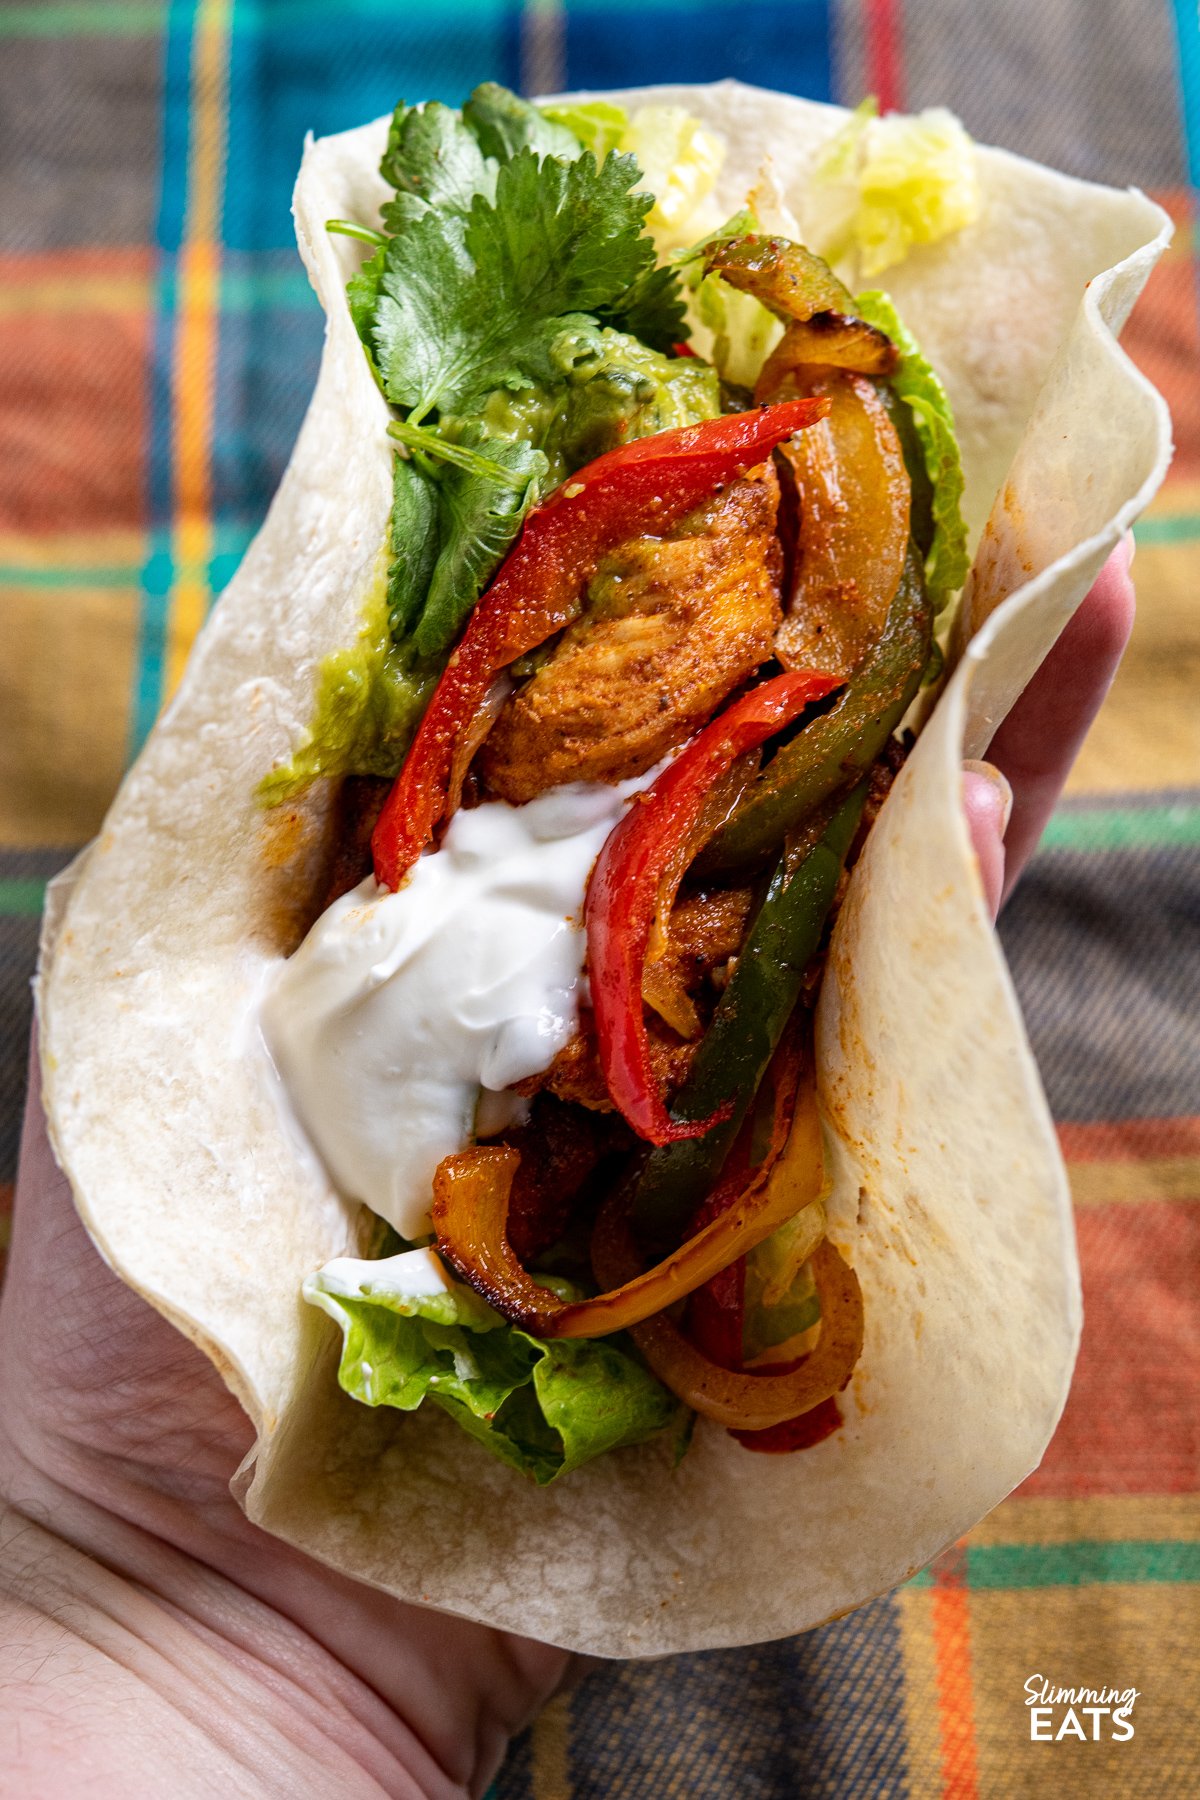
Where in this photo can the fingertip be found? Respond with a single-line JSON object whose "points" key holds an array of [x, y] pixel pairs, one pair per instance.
{"points": [[1102, 626], [987, 804]]}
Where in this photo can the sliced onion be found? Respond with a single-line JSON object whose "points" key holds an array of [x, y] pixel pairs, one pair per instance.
{"points": [[473, 737], [834, 339], [665, 993], [470, 1207], [755, 1402], [848, 469]]}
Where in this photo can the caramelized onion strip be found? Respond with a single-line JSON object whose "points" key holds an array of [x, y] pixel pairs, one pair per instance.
{"points": [[746, 1402], [471, 1193]]}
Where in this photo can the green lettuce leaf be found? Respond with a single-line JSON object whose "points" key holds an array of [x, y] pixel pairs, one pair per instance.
{"points": [[881, 186], [917, 384], [410, 1334], [773, 1317], [597, 125], [743, 330]]}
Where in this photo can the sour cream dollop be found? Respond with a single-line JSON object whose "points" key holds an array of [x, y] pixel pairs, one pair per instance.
{"points": [[398, 1009]]}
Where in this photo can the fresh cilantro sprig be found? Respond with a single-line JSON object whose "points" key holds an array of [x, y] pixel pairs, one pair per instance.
{"points": [[464, 307], [503, 234], [434, 163], [503, 123]]}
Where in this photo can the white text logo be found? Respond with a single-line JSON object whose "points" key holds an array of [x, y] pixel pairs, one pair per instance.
{"points": [[1057, 1712]]}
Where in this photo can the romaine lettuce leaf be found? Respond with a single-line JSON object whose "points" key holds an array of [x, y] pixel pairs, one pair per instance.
{"points": [[597, 125], [774, 1320], [410, 1333], [881, 186], [917, 384], [679, 159]]}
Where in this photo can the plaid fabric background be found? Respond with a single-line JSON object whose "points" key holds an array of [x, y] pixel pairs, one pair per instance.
{"points": [[158, 343]]}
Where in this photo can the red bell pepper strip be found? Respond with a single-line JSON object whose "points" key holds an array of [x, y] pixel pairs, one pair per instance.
{"points": [[801, 1433], [716, 1316], [623, 891], [645, 486]]}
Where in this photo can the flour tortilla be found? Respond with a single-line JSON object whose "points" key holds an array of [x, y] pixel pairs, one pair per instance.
{"points": [[950, 1198]]}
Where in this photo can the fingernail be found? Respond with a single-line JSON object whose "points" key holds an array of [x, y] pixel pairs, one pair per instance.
{"points": [[1131, 549], [1004, 794]]}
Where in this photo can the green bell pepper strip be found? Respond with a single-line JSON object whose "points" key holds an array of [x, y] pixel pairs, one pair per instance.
{"points": [[746, 1028], [841, 745], [920, 521]]}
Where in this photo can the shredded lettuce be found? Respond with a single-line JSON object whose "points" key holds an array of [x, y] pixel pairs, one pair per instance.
{"points": [[743, 331], [680, 160], [781, 1298], [596, 124], [917, 384], [410, 1333], [881, 186]]}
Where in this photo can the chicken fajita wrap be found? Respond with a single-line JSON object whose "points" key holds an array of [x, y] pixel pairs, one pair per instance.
{"points": [[531, 1013]]}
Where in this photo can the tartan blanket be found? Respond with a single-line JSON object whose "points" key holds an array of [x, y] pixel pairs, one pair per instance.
{"points": [[158, 342]]}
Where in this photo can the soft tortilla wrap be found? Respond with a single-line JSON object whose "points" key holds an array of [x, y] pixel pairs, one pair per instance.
{"points": [[950, 1198]]}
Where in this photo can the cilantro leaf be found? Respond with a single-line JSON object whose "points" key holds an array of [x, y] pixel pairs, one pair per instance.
{"points": [[432, 160], [362, 294], [413, 543], [510, 247], [421, 318], [503, 123], [460, 312], [563, 237], [652, 309], [478, 520]]}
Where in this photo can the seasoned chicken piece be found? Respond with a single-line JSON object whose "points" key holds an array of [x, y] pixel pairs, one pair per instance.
{"points": [[575, 1073], [706, 929], [672, 625]]}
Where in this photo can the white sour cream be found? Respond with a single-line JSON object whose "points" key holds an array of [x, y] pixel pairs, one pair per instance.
{"points": [[411, 1275], [398, 1009]]}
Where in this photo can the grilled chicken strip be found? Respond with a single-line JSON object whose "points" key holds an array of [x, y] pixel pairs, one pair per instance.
{"points": [[671, 626], [706, 929]]}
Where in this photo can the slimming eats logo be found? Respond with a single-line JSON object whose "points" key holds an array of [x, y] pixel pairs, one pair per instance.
{"points": [[1058, 1712]]}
